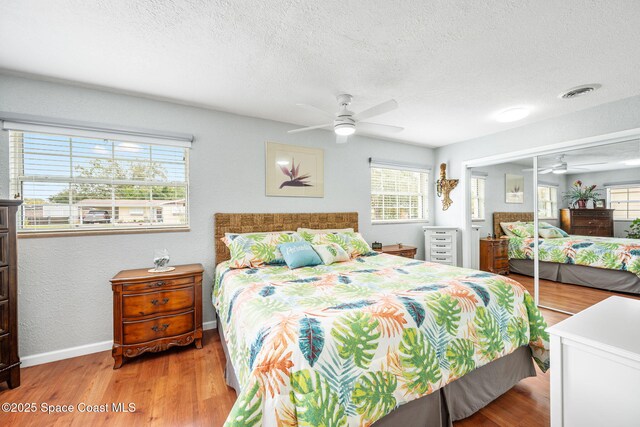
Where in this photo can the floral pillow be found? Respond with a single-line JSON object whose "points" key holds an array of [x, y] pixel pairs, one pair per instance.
{"points": [[518, 229], [330, 253], [352, 242], [257, 249]]}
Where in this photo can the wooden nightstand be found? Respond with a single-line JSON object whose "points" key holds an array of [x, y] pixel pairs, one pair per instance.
{"points": [[155, 311], [403, 251], [494, 255]]}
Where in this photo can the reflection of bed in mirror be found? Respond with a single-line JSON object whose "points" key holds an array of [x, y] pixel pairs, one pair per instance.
{"points": [[615, 280]]}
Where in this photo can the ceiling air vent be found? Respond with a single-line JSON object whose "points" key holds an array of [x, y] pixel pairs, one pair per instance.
{"points": [[577, 91]]}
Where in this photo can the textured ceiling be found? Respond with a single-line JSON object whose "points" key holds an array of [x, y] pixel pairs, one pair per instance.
{"points": [[450, 64]]}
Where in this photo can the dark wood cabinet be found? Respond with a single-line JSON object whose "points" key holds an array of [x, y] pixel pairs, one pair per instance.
{"points": [[9, 357], [587, 222], [494, 255], [403, 251], [155, 311]]}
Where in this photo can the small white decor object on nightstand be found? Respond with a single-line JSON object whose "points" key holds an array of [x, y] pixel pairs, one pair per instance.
{"points": [[441, 244], [595, 366]]}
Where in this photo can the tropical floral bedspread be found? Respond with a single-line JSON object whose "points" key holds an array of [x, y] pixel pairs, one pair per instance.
{"points": [[343, 345], [612, 253]]}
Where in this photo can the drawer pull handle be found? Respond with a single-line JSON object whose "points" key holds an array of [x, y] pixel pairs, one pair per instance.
{"points": [[156, 328], [163, 302], [156, 284]]}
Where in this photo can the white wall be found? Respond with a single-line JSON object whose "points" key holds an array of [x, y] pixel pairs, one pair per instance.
{"points": [[608, 177], [607, 118], [65, 298], [495, 192]]}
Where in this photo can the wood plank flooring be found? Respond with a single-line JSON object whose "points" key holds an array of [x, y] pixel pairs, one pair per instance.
{"points": [[185, 386]]}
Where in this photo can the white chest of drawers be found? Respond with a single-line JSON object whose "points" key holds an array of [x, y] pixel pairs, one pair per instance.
{"points": [[595, 366], [441, 244]]}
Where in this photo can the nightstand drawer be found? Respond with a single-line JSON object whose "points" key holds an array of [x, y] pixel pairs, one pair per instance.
{"points": [[158, 284], [4, 248], [4, 317], [407, 254], [500, 251], [4, 218], [157, 302], [4, 283], [149, 330], [501, 263]]}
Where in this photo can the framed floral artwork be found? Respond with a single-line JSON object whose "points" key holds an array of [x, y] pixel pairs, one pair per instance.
{"points": [[514, 188], [293, 171]]}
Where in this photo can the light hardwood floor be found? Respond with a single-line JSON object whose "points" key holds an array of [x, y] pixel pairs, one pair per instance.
{"points": [[185, 386]]}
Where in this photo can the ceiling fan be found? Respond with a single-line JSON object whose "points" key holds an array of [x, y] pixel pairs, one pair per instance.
{"points": [[562, 167], [347, 122]]}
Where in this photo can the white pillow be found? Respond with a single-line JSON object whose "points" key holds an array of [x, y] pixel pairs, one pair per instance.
{"points": [[330, 253]]}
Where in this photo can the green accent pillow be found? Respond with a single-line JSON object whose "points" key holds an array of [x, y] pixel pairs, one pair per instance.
{"points": [[331, 253], [520, 229], [352, 242], [299, 254]]}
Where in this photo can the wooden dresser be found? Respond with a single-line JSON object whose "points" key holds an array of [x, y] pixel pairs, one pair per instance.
{"points": [[403, 251], [494, 255], [155, 311], [9, 358], [587, 222]]}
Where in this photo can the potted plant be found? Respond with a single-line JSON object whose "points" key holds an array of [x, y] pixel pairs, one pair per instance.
{"points": [[578, 195], [634, 229]]}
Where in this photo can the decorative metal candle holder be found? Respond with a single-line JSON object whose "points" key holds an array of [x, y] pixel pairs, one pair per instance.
{"points": [[444, 187]]}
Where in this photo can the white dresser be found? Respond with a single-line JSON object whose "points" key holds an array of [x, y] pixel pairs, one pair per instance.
{"points": [[441, 244], [595, 366]]}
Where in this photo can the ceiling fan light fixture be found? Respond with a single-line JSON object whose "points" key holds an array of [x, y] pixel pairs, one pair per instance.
{"points": [[344, 129], [512, 114], [560, 170]]}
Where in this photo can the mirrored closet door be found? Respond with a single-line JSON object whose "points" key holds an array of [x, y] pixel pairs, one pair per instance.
{"points": [[588, 206]]}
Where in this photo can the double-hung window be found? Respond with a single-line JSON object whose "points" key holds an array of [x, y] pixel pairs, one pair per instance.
{"points": [[478, 197], [74, 183], [547, 201], [625, 200], [398, 192]]}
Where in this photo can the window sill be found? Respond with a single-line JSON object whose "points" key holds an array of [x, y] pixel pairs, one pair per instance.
{"points": [[549, 219], [78, 233], [401, 221], [479, 220]]}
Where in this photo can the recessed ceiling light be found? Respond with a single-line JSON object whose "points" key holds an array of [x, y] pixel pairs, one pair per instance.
{"points": [[513, 114], [631, 162], [577, 91]]}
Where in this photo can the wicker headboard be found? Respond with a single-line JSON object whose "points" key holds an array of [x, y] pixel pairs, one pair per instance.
{"points": [[499, 217], [256, 222]]}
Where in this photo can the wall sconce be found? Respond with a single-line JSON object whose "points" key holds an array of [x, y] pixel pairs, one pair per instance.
{"points": [[444, 187]]}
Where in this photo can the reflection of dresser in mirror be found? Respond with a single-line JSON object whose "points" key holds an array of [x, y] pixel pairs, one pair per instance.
{"points": [[587, 222]]}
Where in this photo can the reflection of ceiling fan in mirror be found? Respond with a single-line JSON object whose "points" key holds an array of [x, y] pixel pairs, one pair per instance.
{"points": [[562, 167], [346, 122]]}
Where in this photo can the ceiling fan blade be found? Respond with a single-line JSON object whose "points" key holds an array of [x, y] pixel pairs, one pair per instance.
{"points": [[342, 139], [376, 127], [326, 125], [385, 107], [589, 164], [317, 110], [578, 169], [527, 170], [545, 171]]}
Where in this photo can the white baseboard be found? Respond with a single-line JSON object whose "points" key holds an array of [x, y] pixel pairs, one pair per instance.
{"points": [[65, 353], [209, 325], [81, 350]]}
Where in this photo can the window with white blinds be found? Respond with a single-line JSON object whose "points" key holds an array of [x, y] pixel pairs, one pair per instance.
{"points": [[477, 197], [547, 202], [82, 183], [626, 202], [398, 194]]}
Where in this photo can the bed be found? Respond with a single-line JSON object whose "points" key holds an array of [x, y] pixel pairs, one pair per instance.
{"points": [[607, 263], [379, 340]]}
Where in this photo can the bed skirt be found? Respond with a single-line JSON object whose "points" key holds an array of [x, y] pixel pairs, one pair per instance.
{"points": [[455, 401], [599, 278]]}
